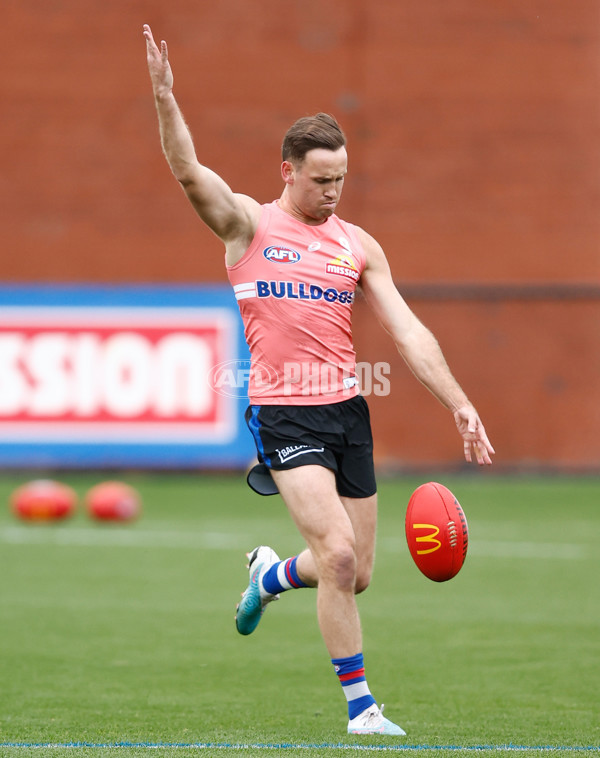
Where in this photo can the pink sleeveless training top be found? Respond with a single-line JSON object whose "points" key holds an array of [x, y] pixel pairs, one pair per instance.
{"points": [[295, 286]]}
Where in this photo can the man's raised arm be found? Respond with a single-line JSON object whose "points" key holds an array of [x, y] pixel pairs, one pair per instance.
{"points": [[231, 217]]}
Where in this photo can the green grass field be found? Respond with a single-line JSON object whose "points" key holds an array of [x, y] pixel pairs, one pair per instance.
{"points": [[121, 640]]}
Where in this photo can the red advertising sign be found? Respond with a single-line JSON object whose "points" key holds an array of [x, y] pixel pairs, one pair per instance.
{"points": [[123, 374]]}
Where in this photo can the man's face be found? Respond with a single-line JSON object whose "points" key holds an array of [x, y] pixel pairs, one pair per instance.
{"points": [[315, 185]]}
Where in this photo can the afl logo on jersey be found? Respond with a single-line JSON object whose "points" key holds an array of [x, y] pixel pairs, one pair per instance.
{"points": [[281, 254]]}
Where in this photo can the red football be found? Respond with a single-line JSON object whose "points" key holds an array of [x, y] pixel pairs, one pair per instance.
{"points": [[113, 501], [43, 500], [436, 531]]}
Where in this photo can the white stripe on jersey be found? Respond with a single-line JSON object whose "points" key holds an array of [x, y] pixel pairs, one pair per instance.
{"points": [[244, 290]]}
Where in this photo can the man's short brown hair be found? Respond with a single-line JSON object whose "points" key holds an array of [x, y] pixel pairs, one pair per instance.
{"points": [[309, 133]]}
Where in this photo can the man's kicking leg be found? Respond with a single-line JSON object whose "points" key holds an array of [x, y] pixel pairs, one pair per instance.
{"points": [[338, 533]]}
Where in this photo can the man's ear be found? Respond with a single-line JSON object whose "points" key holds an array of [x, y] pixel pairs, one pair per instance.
{"points": [[288, 172]]}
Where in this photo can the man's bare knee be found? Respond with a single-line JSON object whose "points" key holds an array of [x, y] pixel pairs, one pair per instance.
{"points": [[339, 565]]}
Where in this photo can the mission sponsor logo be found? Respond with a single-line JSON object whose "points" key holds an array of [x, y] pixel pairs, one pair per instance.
{"points": [[292, 291], [113, 374], [344, 266], [277, 254]]}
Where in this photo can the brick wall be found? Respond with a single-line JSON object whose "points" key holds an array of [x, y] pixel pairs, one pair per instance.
{"points": [[474, 160]]}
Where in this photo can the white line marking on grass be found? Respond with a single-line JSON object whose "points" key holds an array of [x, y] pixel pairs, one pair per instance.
{"points": [[297, 746], [132, 536], [119, 537], [541, 550]]}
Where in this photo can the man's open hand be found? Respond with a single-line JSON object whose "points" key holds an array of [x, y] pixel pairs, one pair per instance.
{"points": [[474, 437], [158, 65]]}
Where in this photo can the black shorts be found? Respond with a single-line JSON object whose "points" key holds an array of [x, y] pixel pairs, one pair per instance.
{"points": [[337, 436]]}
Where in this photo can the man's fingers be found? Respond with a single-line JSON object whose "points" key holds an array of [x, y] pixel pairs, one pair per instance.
{"points": [[483, 441], [486, 442], [467, 448], [483, 453], [149, 37], [475, 440], [480, 453]]}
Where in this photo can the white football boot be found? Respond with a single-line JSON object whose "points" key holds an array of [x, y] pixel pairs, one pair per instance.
{"points": [[372, 721]]}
